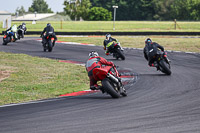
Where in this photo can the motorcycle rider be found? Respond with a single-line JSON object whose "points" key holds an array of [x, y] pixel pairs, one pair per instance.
{"points": [[48, 29], [108, 43], [95, 61], [150, 50], [23, 27], [14, 30]]}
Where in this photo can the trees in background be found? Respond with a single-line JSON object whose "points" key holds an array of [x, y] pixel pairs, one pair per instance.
{"points": [[77, 9], [40, 6], [152, 9], [140, 9], [128, 9], [186, 9], [99, 13], [20, 11]]}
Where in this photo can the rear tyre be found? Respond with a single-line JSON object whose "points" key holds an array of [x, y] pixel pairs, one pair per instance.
{"points": [[109, 88], [50, 46], [121, 55], [44, 47], [164, 68]]}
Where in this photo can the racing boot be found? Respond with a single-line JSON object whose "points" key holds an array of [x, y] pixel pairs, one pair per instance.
{"points": [[97, 87]]}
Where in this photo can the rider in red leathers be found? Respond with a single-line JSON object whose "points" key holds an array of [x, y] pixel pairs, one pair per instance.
{"points": [[95, 61]]}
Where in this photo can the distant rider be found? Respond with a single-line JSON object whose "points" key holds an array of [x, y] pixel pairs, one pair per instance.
{"points": [[150, 50], [23, 27], [49, 30], [109, 43], [14, 30], [95, 61]]}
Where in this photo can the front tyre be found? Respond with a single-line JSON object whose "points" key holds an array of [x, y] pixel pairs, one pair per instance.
{"points": [[5, 41], [108, 87]]}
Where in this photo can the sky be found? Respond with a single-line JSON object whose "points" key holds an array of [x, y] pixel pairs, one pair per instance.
{"points": [[11, 5]]}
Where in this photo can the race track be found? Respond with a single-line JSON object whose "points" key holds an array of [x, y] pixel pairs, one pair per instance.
{"points": [[155, 103]]}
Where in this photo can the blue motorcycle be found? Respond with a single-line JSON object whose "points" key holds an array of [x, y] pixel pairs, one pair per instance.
{"points": [[8, 37]]}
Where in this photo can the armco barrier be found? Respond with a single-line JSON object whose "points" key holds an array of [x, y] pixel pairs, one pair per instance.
{"points": [[115, 33]]}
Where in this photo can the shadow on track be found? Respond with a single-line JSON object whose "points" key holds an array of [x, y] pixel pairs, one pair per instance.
{"points": [[153, 75]]}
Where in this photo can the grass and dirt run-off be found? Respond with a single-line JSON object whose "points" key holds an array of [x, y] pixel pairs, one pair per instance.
{"points": [[24, 78]]}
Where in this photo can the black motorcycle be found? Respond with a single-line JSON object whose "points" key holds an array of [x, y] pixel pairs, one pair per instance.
{"points": [[20, 33], [8, 37], [117, 51], [48, 44], [163, 63]]}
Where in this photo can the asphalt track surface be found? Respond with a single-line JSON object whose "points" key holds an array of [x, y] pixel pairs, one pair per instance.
{"points": [[155, 103]]}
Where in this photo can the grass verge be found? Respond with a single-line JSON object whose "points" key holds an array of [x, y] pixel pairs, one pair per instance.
{"points": [[27, 78], [174, 43], [107, 26]]}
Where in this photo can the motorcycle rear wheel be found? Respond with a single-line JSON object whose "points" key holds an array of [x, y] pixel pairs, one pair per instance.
{"points": [[165, 69], [108, 87], [121, 55], [50, 46]]}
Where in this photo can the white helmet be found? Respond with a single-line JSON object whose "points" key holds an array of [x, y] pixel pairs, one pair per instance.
{"points": [[93, 54]]}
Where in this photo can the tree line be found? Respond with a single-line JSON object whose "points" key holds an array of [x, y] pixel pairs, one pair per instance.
{"points": [[152, 9], [127, 9]]}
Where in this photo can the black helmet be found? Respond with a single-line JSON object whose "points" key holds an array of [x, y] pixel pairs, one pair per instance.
{"points": [[48, 24], [108, 35], [93, 54], [148, 40], [23, 23]]}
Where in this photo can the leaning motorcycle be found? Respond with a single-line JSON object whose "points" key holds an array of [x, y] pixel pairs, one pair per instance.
{"points": [[110, 80], [117, 51], [163, 63], [8, 37], [20, 33], [48, 45]]}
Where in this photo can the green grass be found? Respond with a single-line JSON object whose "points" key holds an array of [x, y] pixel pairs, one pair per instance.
{"points": [[107, 26], [34, 78], [169, 42]]}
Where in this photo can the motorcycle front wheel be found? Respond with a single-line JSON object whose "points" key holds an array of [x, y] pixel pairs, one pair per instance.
{"points": [[4, 43]]}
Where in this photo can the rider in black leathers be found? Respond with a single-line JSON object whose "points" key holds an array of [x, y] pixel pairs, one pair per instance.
{"points": [[48, 29], [150, 50], [22, 26]]}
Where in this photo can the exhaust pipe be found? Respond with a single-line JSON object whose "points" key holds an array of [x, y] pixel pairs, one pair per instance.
{"points": [[113, 78]]}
